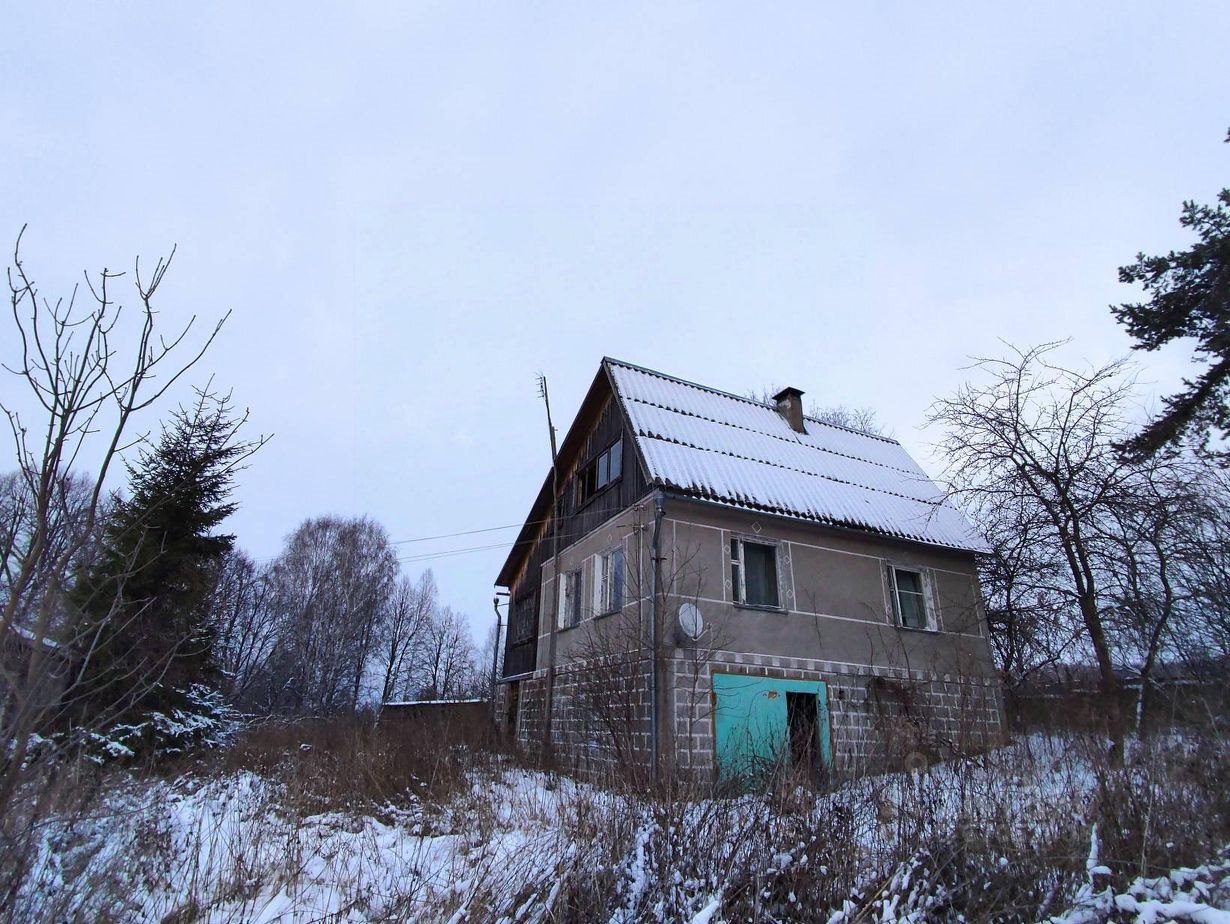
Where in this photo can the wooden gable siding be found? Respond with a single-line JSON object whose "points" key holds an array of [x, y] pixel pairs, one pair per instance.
{"points": [[581, 519], [577, 520]]}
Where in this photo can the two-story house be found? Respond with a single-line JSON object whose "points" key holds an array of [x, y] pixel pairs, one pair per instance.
{"points": [[706, 582]]}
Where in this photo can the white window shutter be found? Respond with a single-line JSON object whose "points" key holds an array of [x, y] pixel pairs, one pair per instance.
{"points": [[890, 594], [779, 568], [615, 578], [598, 580], [933, 600]]}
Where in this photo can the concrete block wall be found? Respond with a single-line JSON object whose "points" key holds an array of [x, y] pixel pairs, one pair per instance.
{"points": [[879, 717], [601, 715]]}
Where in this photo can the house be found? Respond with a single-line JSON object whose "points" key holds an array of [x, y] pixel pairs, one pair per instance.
{"points": [[707, 583]]}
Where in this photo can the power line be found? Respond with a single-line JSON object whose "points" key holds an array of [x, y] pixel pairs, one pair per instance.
{"points": [[468, 532], [446, 553], [425, 556], [428, 556]]}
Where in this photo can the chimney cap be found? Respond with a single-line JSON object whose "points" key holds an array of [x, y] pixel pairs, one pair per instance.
{"points": [[787, 392]]}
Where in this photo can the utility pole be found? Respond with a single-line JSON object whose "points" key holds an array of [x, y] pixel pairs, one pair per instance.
{"points": [[555, 514], [495, 655]]}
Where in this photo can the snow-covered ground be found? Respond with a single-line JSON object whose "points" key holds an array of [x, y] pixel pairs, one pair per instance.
{"points": [[522, 846]]}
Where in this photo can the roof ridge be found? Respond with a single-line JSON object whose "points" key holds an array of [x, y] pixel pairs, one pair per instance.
{"points": [[743, 398], [675, 378]]}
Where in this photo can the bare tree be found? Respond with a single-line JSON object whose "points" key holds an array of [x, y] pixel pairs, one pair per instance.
{"points": [[1039, 437], [87, 375], [64, 527], [450, 662], [1031, 622], [403, 633], [863, 419], [486, 656], [330, 587], [245, 625], [1206, 639], [1093, 554], [608, 688], [1158, 558]]}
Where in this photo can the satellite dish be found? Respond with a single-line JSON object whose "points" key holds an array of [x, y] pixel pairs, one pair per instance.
{"points": [[690, 620]]}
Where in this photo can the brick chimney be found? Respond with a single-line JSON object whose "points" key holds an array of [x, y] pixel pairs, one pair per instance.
{"points": [[790, 405]]}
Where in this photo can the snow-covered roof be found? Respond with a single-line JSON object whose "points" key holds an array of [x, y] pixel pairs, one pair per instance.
{"points": [[735, 451]]}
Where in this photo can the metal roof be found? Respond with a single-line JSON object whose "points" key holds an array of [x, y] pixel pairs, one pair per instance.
{"points": [[735, 451]]}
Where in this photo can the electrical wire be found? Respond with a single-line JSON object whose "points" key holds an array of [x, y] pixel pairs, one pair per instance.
{"points": [[446, 553], [468, 532]]}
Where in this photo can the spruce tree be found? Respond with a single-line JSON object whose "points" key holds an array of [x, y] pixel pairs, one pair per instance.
{"points": [[1189, 298], [147, 651]]}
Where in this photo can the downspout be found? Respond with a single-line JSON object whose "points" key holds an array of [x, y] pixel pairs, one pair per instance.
{"points": [[659, 511]]}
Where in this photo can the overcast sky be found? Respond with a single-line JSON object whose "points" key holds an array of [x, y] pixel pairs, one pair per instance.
{"points": [[414, 209]]}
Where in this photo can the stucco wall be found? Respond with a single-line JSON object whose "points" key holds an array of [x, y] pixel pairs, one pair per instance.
{"points": [[833, 590], [604, 633]]}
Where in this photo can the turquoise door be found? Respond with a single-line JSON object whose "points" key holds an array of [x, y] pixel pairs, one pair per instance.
{"points": [[751, 723]]}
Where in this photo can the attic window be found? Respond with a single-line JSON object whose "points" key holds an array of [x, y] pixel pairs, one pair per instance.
{"points": [[602, 470]]}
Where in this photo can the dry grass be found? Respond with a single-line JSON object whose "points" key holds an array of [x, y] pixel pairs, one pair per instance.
{"points": [[355, 763], [348, 817]]}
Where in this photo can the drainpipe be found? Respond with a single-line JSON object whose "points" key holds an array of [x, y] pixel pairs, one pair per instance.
{"points": [[659, 511]]}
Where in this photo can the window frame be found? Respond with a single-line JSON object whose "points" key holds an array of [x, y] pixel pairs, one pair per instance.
{"points": [[930, 623], [590, 478], [569, 613], [525, 617], [738, 584], [606, 602]]}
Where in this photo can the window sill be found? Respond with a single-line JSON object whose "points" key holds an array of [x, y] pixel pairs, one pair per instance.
{"points": [[929, 630], [759, 608]]}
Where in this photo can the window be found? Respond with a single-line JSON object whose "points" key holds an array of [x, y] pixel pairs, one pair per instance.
{"points": [[602, 470], [570, 599], [910, 598], [753, 572], [609, 582]]}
